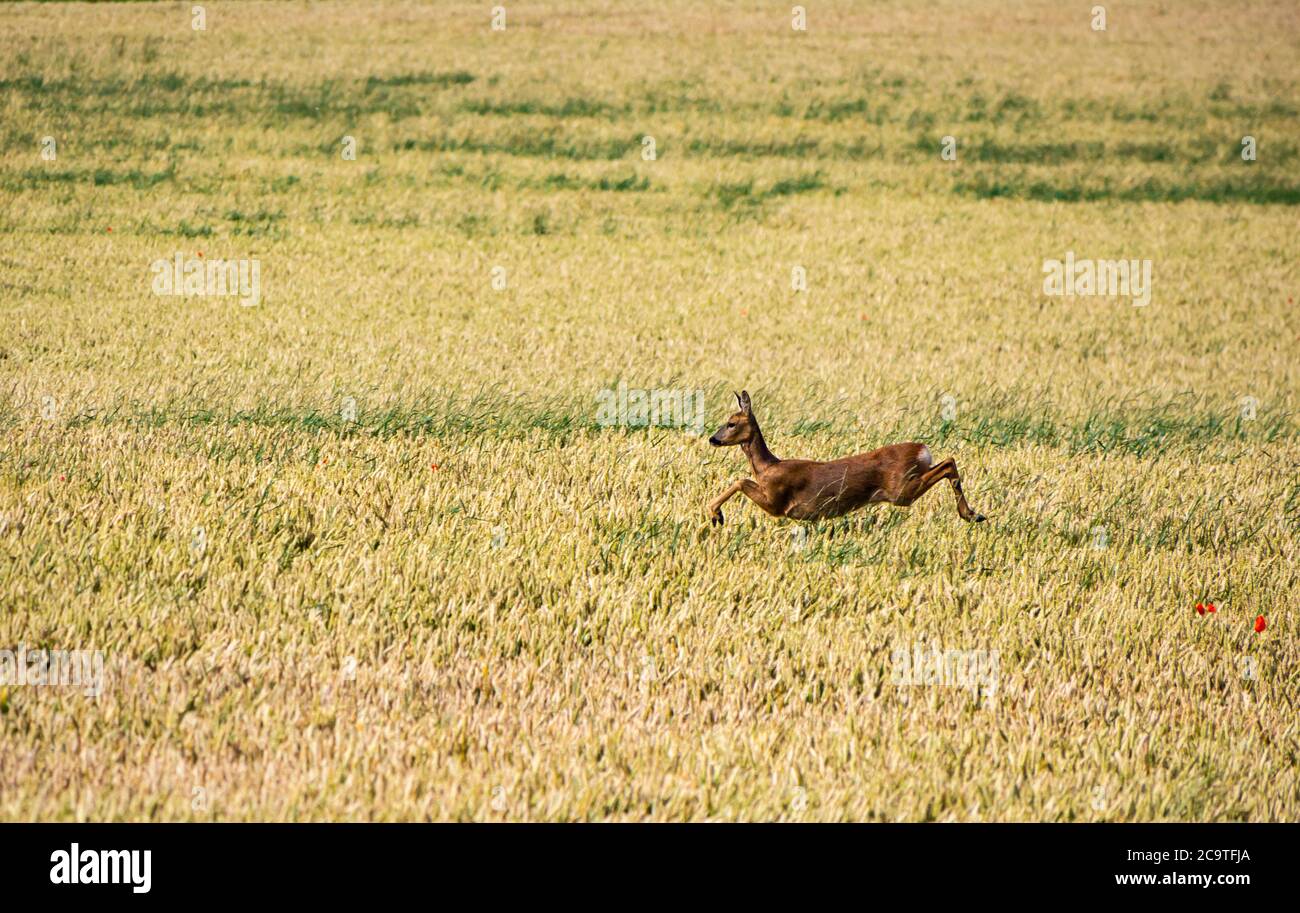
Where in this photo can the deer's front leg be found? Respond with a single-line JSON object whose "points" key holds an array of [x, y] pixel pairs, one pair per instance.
{"points": [[714, 508]]}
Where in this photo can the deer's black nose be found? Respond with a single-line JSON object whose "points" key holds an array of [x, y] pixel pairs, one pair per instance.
{"points": [[715, 442]]}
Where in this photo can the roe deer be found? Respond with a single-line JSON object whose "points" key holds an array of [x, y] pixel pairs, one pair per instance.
{"points": [[808, 490]]}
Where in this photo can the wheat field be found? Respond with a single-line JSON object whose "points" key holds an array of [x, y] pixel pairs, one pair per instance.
{"points": [[366, 549]]}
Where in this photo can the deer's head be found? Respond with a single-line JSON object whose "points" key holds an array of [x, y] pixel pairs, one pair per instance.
{"points": [[740, 425]]}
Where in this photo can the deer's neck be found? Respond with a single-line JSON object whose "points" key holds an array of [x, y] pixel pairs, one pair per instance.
{"points": [[759, 456]]}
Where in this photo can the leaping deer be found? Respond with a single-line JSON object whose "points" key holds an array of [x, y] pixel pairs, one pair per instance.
{"points": [[808, 490]]}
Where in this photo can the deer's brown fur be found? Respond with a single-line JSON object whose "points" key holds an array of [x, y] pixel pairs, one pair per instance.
{"points": [[809, 490]]}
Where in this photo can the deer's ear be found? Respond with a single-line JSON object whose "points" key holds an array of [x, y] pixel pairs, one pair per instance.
{"points": [[740, 403], [743, 399]]}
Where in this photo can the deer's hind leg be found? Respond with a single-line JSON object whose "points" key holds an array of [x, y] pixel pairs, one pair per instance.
{"points": [[919, 485]]}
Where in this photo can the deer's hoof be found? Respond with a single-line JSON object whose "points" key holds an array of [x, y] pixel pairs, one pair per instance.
{"points": [[715, 519]]}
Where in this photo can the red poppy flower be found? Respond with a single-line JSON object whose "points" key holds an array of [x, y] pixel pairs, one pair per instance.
{"points": [[1200, 608], [1210, 607], [1260, 625]]}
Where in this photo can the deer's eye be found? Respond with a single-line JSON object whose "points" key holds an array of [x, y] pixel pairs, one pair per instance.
{"points": [[731, 424]]}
